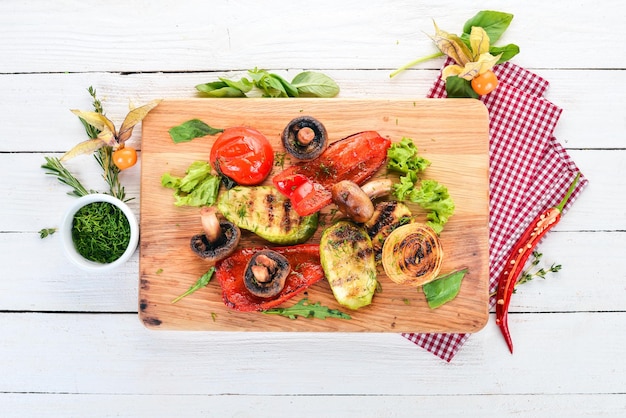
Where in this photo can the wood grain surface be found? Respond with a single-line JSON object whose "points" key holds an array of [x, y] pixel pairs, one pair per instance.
{"points": [[452, 134]]}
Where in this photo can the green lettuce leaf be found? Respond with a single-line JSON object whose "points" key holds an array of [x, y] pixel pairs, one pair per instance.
{"points": [[403, 157], [197, 188], [434, 198]]}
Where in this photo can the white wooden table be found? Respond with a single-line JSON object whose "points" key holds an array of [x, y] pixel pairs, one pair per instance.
{"points": [[71, 343]]}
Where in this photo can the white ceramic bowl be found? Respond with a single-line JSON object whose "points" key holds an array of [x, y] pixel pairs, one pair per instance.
{"points": [[66, 233]]}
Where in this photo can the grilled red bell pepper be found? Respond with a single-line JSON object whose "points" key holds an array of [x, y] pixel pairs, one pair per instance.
{"points": [[305, 270], [356, 157], [519, 255]]}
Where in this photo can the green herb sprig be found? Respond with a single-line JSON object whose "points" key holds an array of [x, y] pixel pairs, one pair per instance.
{"points": [[103, 156], [306, 309], [530, 274], [541, 273], [53, 166], [110, 172]]}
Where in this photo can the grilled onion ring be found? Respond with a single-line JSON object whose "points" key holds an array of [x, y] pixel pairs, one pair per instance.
{"points": [[412, 255]]}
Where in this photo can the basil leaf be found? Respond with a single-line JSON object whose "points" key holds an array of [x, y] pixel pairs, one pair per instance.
{"points": [[289, 89], [313, 84], [270, 84], [507, 51], [244, 85], [191, 129], [219, 89], [443, 289], [457, 87], [494, 23]]}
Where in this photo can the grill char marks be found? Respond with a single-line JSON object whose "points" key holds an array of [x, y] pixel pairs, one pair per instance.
{"points": [[388, 216]]}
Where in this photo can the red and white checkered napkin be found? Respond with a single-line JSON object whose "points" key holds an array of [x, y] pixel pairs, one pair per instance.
{"points": [[530, 171]]}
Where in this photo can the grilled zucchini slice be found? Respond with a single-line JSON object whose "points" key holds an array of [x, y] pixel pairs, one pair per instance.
{"points": [[348, 261], [264, 211]]}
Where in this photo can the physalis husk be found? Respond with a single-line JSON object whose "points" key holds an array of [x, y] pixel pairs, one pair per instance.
{"points": [[470, 62]]}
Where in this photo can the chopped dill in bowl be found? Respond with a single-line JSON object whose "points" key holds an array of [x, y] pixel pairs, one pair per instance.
{"points": [[101, 232]]}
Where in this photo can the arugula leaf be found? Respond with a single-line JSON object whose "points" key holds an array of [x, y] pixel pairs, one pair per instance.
{"points": [[190, 130], [197, 188], [443, 289], [203, 281], [306, 309]]}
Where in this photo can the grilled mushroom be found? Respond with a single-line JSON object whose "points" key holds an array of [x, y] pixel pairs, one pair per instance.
{"points": [[266, 273], [352, 201], [220, 238], [305, 138]]}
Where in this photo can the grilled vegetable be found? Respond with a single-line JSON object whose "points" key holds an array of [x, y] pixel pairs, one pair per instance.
{"points": [[356, 157], [352, 201], [267, 213], [348, 261], [412, 254], [266, 273], [387, 216], [305, 270]]}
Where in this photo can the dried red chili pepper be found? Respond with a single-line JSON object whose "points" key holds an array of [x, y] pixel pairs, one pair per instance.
{"points": [[519, 255], [305, 270], [356, 157]]}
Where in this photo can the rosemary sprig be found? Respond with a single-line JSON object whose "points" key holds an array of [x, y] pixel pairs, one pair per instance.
{"points": [[54, 167], [110, 172], [97, 106]]}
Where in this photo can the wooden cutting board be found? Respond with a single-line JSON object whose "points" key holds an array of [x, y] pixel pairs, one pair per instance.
{"points": [[452, 133]]}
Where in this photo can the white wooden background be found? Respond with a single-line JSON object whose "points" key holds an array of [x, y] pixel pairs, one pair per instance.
{"points": [[71, 344]]}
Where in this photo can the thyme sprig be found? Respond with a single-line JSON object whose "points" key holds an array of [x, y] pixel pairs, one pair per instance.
{"points": [[541, 273], [528, 275]]}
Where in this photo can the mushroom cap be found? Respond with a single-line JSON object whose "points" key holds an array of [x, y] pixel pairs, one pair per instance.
{"points": [[278, 272], [310, 150], [352, 201], [224, 246]]}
